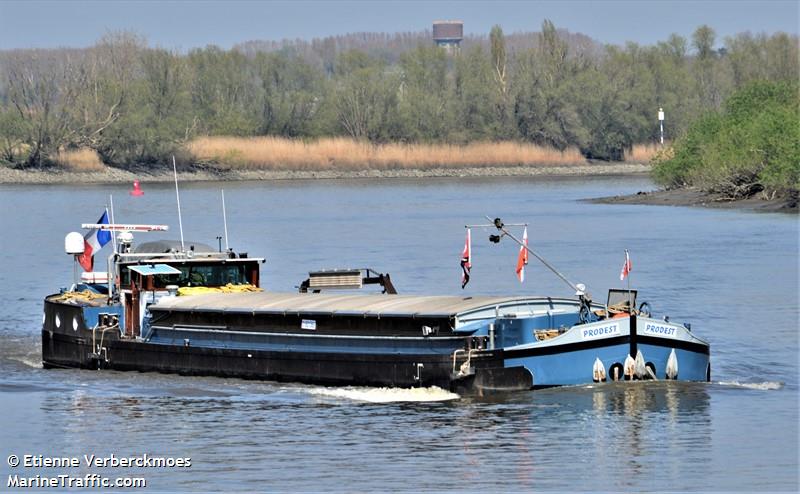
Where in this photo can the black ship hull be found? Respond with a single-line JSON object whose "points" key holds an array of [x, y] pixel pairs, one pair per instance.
{"points": [[66, 347]]}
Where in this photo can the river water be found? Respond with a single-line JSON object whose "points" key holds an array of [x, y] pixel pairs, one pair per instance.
{"points": [[732, 274]]}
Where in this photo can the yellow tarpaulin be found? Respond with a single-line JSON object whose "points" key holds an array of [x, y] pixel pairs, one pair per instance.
{"points": [[229, 288]]}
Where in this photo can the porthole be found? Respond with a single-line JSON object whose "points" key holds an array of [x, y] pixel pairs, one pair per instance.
{"points": [[74, 323], [44, 318], [58, 321]]}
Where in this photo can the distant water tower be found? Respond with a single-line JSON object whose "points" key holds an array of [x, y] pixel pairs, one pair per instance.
{"points": [[448, 34]]}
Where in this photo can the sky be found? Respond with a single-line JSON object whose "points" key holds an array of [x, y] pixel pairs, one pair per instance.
{"points": [[183, 25]]}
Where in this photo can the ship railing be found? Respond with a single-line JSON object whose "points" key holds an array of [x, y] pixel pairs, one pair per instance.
{"points": [[465, 369]]}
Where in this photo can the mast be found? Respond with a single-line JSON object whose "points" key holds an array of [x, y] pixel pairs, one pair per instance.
{"points": [[111, 274], [224, 219], [178, 195]]}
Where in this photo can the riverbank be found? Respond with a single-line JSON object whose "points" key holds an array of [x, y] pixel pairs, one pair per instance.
{"points": [[210, 173], [697, 198]]}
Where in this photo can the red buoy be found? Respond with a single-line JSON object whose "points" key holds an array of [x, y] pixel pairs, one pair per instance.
{"points": [[137, 191]]}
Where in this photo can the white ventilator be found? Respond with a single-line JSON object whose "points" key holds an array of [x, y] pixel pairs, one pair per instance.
{"points": [[598, 371], [640, 368], [628, 368], [672, 366]]}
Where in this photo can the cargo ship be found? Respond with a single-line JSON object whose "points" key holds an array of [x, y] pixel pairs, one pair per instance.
{"points": [[186, 308]]}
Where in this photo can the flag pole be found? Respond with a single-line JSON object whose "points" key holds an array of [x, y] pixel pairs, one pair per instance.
{"points": [[500, 226], [628, 277]]}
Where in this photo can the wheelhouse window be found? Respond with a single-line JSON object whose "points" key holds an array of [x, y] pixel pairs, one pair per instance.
{"points": [[203, 275], [196, 274]]}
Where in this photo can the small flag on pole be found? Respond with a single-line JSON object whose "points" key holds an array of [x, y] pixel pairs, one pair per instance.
{"points": [[522, 260], [627, 267], [93, 242], [466, 260]]}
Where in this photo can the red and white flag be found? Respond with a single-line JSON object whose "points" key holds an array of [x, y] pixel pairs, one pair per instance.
{"points": [[627, 267], [466, 260], [522, 260]]}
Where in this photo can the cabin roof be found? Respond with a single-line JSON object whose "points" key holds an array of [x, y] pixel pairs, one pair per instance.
{"points": [[375, 305], [169, 246]]}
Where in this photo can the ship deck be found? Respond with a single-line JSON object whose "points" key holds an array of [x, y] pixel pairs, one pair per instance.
{"points": [[415, 306]]}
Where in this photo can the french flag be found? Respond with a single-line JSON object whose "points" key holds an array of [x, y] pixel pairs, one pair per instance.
{"points": [[93, 242]]}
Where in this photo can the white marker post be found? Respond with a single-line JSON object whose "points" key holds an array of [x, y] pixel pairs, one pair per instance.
{"points": [[661, 123]]}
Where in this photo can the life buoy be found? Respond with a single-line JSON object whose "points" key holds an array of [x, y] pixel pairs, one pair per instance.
{"points": [[615, 372]]}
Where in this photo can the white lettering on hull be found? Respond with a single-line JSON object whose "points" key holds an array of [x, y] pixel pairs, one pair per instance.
{"points": [[660, 330], [600, 332]]}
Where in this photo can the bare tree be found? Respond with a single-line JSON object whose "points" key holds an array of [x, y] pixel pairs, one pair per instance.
{"points": [[498, 47], [105, 77], [38, 89]]}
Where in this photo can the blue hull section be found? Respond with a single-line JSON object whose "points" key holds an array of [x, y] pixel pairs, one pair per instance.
{"points": [[692, 366], [569, 368], [575, 367]]}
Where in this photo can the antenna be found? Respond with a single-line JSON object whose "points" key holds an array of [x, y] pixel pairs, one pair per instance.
{"points": [[178, 195], [109, 270], [113, 237], [224, 218]]}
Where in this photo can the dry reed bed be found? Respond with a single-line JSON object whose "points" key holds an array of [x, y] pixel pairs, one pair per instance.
{"points": [[644, 153], [274, 153], [80, 160]]}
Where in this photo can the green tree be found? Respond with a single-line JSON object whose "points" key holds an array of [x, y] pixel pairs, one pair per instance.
{"points": [[705, 67], [545, 110], [502, 109], [159, 120], [366, 97], [425, 95], [477, 99], [617, 104], [672, 87], [221, 91], [289, 96]]}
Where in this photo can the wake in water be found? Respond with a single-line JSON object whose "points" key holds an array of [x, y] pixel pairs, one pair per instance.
{"points": [[763, 386], [387, 395], [33, 361], [25, 350]]}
